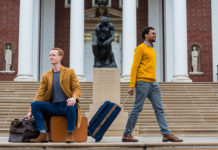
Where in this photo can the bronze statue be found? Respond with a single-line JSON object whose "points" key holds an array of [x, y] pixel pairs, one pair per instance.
{"points": [[102, 50]]}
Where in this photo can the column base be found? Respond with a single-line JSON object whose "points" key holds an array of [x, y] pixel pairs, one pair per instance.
{"points": [[125, 78], [24, 77], [181, 78], [81, 78]]}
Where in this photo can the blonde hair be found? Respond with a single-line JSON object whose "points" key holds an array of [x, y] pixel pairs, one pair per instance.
{"points": [[60, 51]]}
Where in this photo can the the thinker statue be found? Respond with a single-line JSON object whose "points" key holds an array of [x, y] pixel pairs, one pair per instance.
{"points": [[102, 50]]}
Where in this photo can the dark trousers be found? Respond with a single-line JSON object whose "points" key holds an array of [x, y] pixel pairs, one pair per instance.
{"points": [[49, 109]]}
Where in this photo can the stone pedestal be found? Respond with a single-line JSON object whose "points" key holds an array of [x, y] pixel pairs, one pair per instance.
{"points": [[106, 86]]}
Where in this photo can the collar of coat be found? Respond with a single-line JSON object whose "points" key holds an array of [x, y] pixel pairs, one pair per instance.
{"points": [[62, 71]]}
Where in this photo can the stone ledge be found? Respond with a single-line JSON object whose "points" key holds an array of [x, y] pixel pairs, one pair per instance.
{"points": [[108, 146], [114, 143], [7, 72], [196, 73]]}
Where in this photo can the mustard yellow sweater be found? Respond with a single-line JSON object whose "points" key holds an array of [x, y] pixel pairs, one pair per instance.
{"points": [[144, 65]]}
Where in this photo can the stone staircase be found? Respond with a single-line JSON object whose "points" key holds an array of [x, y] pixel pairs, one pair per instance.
{"points": [[190, 108]]}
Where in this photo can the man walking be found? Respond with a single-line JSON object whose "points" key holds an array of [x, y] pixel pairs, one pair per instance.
{"points": [[143, 79], [59, 94]]}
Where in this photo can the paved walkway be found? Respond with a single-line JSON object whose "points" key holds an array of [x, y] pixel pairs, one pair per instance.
{"points": [[147, 140]]}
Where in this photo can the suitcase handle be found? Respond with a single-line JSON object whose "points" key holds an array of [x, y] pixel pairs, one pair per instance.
{"points": [[125, 100]]}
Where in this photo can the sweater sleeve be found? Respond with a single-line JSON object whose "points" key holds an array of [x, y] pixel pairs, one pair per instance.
{"points": [[135, 66]]}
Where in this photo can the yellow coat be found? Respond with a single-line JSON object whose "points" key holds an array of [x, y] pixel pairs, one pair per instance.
{"points": [[69, 84]]}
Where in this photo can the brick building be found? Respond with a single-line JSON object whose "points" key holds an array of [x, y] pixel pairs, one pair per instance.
{"points": [[30, 28]]}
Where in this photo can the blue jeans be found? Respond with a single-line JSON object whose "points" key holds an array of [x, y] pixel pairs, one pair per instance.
{"points": [[153, 92], [50, 109]]}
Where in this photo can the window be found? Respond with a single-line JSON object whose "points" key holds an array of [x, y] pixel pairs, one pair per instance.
{"points": [[95, 5], [116, 38], [87, 37], [121, 3], [67, 3]]}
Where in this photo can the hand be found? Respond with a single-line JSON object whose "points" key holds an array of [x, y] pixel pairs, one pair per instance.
{"points": [[29, 115], [71, 101], [106, 43], [131, 91]]}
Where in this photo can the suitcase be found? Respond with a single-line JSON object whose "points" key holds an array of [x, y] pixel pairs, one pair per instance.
{"points": [[102, 120], [58, 129]]}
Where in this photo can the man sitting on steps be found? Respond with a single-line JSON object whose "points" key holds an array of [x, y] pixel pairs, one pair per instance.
{"points": [[58, 95]]}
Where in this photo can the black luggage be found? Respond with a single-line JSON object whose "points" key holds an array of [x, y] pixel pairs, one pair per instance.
{"points": [[102, 120], [22, 130]]}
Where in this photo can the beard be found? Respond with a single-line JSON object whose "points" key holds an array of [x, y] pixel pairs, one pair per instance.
{"points": [[153, 40]]}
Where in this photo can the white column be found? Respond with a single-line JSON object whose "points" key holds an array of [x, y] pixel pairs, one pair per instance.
{"points": [[36, 31], [25, 72], [129, 37], [155, 20], [180, 42], [168, 40], [47, 39], [77, 38]]}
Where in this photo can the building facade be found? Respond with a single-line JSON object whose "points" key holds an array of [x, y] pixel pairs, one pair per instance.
{"points": [[186, 44]]}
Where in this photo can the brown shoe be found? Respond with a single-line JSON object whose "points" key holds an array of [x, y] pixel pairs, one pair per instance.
{"points": [[70, 138], [171, 138], [128, 138], [43, 137]]}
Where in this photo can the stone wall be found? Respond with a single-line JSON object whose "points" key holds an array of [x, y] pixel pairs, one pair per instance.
{"points": [[9, 31], [200, 33]]}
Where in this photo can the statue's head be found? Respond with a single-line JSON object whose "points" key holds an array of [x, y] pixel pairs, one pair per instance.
{"points": [[194, 48], [104, 20]]}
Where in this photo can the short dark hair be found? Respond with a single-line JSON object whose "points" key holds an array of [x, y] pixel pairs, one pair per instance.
{"points": [[146, 31]]}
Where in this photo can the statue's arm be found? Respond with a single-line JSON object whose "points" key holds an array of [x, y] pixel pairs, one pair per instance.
{"points": [[97, 30], [112, 33], [108, 41]]}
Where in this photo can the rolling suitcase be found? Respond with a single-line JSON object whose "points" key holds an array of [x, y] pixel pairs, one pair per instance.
{"points": [[102, 120]]}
